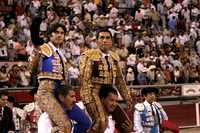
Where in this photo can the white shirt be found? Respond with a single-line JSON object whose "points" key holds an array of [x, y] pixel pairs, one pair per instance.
{"points": [[159, 40], [139, 43], [45, 124], [90, 7], [73, 72], [3, 51], [140, 108], [59, 51]]}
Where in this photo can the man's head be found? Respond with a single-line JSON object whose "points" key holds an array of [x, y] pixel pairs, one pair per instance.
{"points": [[109, 96], [66, 96], [11, 101], [57, 33], [150, 94], [3, 98], [104, 40]]}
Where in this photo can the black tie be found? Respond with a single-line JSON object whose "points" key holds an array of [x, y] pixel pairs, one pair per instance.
{"points": [[106, 57], [155, 114], [152, 110]]}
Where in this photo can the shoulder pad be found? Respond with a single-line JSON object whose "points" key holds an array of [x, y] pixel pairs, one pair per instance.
{"points": [[93, 53], [157, 105], [139, 107], [114, 56], [46, 50]]}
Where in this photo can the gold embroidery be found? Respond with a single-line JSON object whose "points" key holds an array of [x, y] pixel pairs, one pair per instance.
{"points": [[46, 50]]}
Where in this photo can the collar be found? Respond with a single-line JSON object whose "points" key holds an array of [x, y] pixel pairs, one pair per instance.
{"points": [[53, 47], [104, 55], [147, 103]]}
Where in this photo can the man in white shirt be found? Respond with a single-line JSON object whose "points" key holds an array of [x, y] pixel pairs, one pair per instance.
{"points": [[67, 98], [149, 114]]}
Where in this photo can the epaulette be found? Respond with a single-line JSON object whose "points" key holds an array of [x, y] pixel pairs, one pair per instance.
{"points": [[157, 105], [93, 53], [114, 56], [46, 50], [140, 107]]}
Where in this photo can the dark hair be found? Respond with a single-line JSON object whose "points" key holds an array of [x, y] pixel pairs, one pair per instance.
{"points": [[3, 93], [63, 90], [11, 99], [103, 30], [33, 91], [53, 27], [147, 90], [106, 89]]}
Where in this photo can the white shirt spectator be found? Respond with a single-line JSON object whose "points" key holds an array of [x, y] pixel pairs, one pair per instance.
{"points": [[159, 40], [73, 72], [140, 67], [186, 14], [75, 49], [90, 7], [163, 59], [193, 33], [138, 16], [139, 43], [114, 12], [177, 63], [3, 51], [166, 39], [126, 40], [131, 60], [24, 78], [183, 38], [130, 75], [36, 3], [29, 47]]}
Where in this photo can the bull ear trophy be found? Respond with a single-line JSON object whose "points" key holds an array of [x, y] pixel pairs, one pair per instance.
{"points": [[35, 31]]}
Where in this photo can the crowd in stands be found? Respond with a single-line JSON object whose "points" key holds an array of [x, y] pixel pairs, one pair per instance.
{"points": [[158, 41]]}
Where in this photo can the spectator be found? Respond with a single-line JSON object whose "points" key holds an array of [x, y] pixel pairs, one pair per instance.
{"points": [[6, 123], [130, 77], [24, 75], [18, 114], [4, 77], [14, 76], [151, 109], [32, 113], [73, 73]]}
